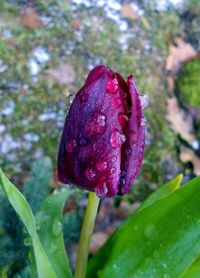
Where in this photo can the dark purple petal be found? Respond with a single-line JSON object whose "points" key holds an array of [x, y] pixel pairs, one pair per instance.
{"points": [[102, 144], [133, 148], [90, 148]]}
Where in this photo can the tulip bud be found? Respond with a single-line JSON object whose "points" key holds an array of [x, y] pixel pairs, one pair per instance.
{"points": [[102, 144]]}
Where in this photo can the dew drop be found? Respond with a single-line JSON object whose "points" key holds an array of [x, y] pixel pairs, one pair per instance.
{"points": [[84, 153], [90, 173], [101, 190], [114, 158], [122, 181], [101, 120], [101, 165], [150, 231], [117, 139], [82, 142], [112, 170], [144, 100], [28, 241], [83, 96], [123, 119], [134, 143], [116, 102], [57, 227], [128, 151], [95, 125], [112, 86], [71, 98], [53, 248], [94, 146], [70, 146]]}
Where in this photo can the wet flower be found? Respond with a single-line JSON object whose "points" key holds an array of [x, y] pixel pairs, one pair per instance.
{"points": [[102, 144]]}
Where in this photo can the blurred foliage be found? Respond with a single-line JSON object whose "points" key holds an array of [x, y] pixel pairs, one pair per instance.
{"points": [[36, 186], [188, 83], [14, 244], [82, 38], [141, 51]]}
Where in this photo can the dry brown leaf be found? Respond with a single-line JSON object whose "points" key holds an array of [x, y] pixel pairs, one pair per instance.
{"points": [[180, 122], [29, 19], [63, 74], [128, 12], [187, 155], [179, 53], [98, 239], [170, 83]]}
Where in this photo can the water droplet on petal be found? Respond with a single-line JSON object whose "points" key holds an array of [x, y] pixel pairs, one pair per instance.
{"points": [[95, 125], [83, 96], [101, 190], [122, 181], [71, 98], [144, 100], [90, 173], [84, 153], [112, 86], [116, 102], [112, 170], [101, 165], [114, 158], [82, 142], [117, 139], [70, 146], [101, 120], [94, 146], [123, 119], [128, 151]]}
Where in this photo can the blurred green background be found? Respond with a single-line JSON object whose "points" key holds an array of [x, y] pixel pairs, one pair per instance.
{"points": [[46, 50]]}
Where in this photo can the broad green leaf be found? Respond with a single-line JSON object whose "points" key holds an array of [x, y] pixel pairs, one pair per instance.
{"points": [[24, 211], [162, 240], [50, 229], [194, 270], [162, 192]]}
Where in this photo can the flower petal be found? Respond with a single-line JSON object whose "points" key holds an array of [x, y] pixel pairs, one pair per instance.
{"points": [[133, 148], [90, 148]]}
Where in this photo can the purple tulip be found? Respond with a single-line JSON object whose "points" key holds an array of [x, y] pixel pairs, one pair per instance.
{"points": [[102, 144]]}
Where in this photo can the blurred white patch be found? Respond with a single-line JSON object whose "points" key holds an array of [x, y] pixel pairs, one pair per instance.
{"points": [[31, 137], [2, 128], [8, 108], [47, 116], [39, 57]]}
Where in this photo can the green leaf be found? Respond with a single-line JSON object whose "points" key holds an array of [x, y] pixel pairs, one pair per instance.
{"points": [[50, 229], [162, 240], [194, 270], [162, 192], [24, 211]]}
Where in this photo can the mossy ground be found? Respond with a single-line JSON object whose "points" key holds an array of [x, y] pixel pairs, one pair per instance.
{"points": [[33, 106], [188, 83]]}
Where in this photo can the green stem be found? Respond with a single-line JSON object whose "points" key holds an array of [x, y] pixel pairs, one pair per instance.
{"points": [[86, 233]]}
